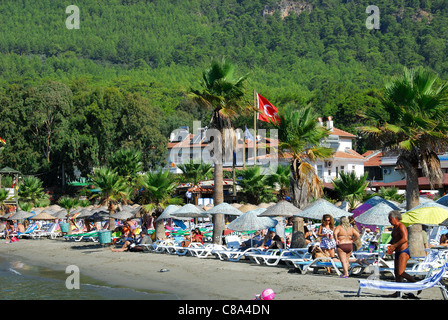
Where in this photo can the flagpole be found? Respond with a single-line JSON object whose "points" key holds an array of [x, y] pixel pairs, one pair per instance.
{"points": [[255, 128]]}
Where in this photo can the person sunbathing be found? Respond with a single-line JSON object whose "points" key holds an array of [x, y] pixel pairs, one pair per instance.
{"points": [[317, 252]]}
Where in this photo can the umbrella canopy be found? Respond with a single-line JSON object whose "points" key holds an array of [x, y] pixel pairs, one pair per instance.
{"points": [[191, 211], [281, 209], [443, 200], [122, 215], [250, 221], [265, 205], [167, 213], [376, 216], [20, 215], [247, 207], [85, 213], [61, 214], [43, 216], [370, 203], [236, 205], [99, 216], [421, 201], [225, 208], [426, 213], [320, 207]]}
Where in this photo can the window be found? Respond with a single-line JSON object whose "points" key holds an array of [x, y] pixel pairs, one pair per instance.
{"points": [[320, 171]]}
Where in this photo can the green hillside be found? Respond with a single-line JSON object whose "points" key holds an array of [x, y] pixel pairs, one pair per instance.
{"points": [[124, 73]]}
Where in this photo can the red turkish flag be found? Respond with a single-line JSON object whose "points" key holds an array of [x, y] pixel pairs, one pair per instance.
{"points": [[267, 111]]}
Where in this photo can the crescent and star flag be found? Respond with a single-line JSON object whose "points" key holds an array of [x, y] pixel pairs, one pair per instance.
{"points": [[267, 111], [3, 141]]}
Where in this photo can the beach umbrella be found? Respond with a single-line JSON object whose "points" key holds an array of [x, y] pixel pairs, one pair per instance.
{"points": [[99, 216], [250, 221], [122, 215], [318, 208], [265, 205], [43, 216], [443, 200], [247, 207], [21, 215], [167, 213], [429, 213], [378, 215], [421, 201], [281, 209], [225, 208], [61, 214], [370, 203], [85, 213], [236, 205], [191, 211]]}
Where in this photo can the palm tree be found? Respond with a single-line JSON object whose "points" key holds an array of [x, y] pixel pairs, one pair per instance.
{"points": [[31, 190], [224, 94], [280, 179], [128, 163], [4, 195], [299, 137], [114, 189], [157, 195], [255, 186], [413, 125], [391, 194], [350, 188], [68, 204], [194, 172]]}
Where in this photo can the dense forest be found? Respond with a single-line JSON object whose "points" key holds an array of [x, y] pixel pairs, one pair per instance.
{"points": [[71, 97]]}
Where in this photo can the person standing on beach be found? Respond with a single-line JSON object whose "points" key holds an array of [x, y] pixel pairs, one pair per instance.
{"points": [[326, 234], [345, 235], [399, 245]]}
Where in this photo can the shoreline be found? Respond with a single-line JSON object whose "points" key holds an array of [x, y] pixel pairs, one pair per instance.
{"points": [[189, 278]]}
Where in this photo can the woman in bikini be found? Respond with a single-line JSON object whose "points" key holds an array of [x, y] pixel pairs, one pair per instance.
{"points": [[326, 234], [345, 235], [399, 244]]}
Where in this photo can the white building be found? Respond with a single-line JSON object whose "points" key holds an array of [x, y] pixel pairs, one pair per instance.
{"points": [[344, 158]]}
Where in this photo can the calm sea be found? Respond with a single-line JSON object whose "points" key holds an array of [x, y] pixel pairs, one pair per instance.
{"points": [[21, 281]]}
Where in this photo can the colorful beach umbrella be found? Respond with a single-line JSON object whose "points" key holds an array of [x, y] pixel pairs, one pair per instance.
{"points": [[426, 213]]}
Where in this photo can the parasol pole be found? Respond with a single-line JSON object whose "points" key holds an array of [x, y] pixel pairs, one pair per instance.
{"points": [[255, 127]]}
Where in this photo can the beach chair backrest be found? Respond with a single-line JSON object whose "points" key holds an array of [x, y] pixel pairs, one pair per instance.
{"points": [[233, 241]]}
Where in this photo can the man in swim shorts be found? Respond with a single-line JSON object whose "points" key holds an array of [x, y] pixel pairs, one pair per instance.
{"points": [[399, 244]]}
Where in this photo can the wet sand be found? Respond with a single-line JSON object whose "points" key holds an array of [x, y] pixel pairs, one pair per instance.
{"points": [[190, 278]]}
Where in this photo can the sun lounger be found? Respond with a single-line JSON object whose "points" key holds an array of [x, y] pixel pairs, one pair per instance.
{"points": [[429, 282], [235, 254], [31, 228]]}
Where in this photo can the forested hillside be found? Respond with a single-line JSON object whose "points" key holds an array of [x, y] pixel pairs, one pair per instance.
{"points": [[121, 79]]}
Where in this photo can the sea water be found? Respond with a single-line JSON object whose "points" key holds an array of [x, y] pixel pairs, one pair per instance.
{"points": [[21, 281]]}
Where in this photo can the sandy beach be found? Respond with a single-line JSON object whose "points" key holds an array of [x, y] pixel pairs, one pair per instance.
{"points": [[189, 277]]}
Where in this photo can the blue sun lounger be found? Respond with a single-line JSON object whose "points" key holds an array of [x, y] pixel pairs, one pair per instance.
{"points": [[429, 282]]}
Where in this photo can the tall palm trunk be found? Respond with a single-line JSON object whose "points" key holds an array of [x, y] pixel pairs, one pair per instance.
{"points": [[300, 199], [218, 198], [415, 240], [111, 208]]}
